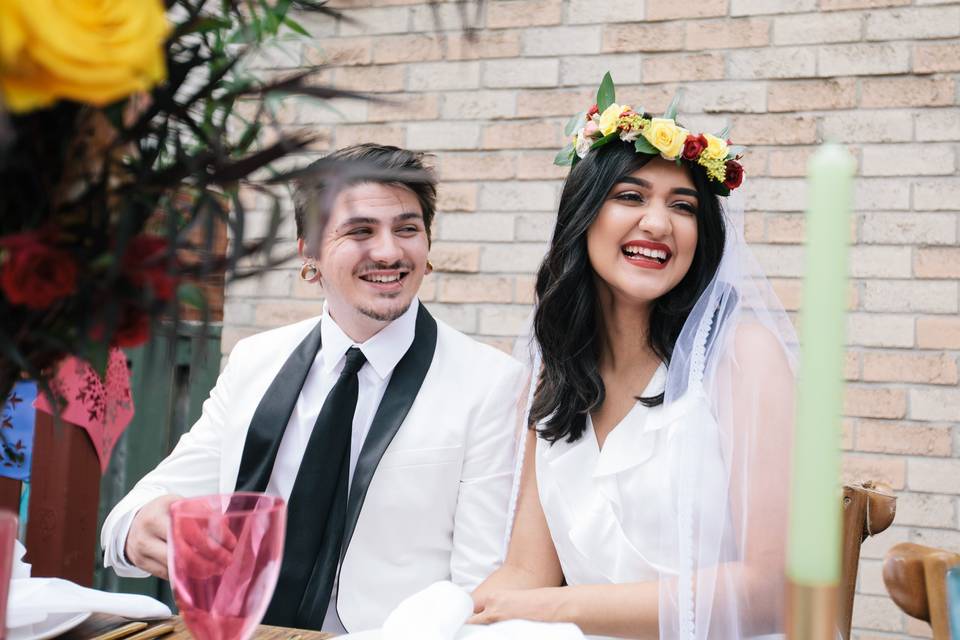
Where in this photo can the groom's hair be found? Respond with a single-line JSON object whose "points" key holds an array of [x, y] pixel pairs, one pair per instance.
{"points": [[316, 189]]}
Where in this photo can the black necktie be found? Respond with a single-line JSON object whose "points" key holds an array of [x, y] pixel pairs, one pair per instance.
{"points": [[316, 511]]}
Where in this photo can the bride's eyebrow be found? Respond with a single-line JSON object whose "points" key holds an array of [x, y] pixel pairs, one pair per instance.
{"points": [[640, 182]]}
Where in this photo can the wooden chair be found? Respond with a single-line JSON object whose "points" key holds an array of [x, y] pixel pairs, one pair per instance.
{"points": [[916, 578], [868, 509], [64, 494]]}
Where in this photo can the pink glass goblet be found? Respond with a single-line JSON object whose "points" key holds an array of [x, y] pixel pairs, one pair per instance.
{"points": [[224, 558]]}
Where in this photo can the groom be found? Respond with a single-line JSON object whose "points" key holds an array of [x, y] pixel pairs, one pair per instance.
{"points": [[389, 433]]}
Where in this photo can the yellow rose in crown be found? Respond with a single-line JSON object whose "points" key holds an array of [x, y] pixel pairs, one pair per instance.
{"points": [[666, 136], [609, 117], [92, 51], [716, 148]]}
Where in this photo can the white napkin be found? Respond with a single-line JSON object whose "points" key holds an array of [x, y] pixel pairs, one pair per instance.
{"points": [[31, 600], [439, 612], [436, 613], [521, 630]]}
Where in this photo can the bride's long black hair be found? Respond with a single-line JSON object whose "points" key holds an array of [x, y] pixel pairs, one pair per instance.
{"points": [[567, 319]]}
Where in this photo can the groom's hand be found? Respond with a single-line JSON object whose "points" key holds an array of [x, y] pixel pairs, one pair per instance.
{"points": [[146, 546]]}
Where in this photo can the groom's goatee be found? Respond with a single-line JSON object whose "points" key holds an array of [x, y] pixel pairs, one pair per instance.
{"points": [[384, 316]]}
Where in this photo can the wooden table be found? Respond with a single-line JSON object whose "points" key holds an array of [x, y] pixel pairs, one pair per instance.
{"points": [[100, 623]]}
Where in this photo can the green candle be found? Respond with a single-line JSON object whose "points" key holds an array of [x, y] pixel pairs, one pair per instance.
{"points": [[813, 557]]}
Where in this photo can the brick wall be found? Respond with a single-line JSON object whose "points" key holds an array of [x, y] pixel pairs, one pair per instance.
{"points": [[878, 75]]}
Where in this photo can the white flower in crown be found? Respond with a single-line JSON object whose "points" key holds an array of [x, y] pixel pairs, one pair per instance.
{"points": [[583, 143]]}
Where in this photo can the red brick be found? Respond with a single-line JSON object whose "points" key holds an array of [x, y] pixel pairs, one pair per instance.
{"points": [[909, 367], [936, 262], [812, 95], [874, 402], [879, 436], [405, 107], [930, 58], [774, 129], [906, 92], [672, 10], [728, 34], [477, 166], [483, 44], [554, 102], [938, 332], [523, 13], [523, 135], [639, 36], [683, 67], [407, 48]]}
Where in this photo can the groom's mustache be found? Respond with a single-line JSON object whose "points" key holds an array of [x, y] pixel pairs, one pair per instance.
{"points": [[366, 267]]}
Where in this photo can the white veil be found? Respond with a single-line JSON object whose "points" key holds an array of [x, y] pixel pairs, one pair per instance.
{"points": [[728, 402]]}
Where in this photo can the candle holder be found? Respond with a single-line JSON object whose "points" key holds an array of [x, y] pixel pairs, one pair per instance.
{"points": [[811, 611]]}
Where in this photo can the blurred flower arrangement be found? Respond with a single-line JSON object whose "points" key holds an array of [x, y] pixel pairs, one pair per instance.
{"points": [[127, 130]]}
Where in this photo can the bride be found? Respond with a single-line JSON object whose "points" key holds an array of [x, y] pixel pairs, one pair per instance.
{"points": [[655, 473]]}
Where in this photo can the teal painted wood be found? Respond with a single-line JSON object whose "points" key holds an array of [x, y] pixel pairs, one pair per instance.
{"points": [[169, 384]]}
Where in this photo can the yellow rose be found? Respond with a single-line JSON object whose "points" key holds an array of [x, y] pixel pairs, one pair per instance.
{"points": [[93, 51], [716, 148], [609, 117], [666, 136]]}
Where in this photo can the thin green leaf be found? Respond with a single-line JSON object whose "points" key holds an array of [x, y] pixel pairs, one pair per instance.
{"points": [[604, 140], [575, 123], [296, 27], [205, 25], [565, 156], [642, 145], [671, 112], [724, 133], [606, 94], [735, 150]]}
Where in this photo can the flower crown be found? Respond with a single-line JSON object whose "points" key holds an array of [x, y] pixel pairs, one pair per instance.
{"points": [[607, 120]]}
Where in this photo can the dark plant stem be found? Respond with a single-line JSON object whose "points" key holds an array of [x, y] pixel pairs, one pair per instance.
{"points": [[9, 375]]}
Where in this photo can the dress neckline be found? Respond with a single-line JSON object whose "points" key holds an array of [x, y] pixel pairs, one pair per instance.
{"points": [[654, 386]]}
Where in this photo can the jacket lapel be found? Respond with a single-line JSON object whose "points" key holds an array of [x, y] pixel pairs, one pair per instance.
{"points": [[272, 415], [401, 392]]}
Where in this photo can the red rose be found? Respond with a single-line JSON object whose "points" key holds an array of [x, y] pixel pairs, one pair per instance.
{"points": [[35, 274], [693, 146], [734, 174], [592, 110], [146, 264], [134, 329]]}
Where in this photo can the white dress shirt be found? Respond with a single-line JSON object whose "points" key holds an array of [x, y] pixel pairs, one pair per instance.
{"points": [[383, 351]]}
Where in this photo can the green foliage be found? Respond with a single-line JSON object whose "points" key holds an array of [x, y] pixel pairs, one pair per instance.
{"points": [[606, 94], [642, 145]]}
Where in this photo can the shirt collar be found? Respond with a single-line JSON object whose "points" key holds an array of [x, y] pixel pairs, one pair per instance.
{"points": [[383, 350]]}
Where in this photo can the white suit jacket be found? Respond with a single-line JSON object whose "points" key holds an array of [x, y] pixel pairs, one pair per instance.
{"points": [[433, 493]]}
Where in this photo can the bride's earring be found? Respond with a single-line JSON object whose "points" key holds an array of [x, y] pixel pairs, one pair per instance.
{"points": [[309, 272], [429, 267]]}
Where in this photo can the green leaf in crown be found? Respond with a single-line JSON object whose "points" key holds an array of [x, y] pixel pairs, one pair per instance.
{"points": [[606, 94]]}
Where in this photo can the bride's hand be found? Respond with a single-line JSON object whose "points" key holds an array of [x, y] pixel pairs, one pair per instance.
{"points": [[526, 604]]}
